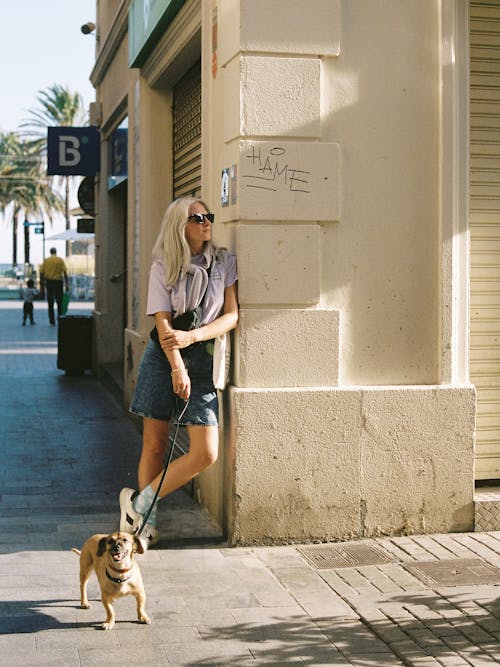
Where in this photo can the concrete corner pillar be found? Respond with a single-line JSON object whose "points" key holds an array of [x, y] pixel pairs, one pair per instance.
{"points": [[326, 184]]}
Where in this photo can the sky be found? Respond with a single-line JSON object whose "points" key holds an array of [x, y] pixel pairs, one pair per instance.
{"points": [[40, 45]]}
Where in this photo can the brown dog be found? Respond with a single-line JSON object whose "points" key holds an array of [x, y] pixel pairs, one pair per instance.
{"points": [[112, 559]]}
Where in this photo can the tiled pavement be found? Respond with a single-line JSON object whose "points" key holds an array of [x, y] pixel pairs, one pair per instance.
{"points": [[66, 449]]}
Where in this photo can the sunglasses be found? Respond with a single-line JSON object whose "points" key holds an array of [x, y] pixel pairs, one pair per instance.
{"points": [[200, 218]]}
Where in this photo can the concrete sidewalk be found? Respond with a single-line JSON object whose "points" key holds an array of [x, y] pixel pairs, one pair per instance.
{"points": [[67, 447]]}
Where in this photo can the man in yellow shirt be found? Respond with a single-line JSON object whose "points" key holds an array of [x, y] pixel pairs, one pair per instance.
{"points": [[53, 273]]}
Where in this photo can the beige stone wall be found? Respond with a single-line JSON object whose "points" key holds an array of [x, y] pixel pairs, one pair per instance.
{"points": [[106, 14], [382, 261], [331, 134]]}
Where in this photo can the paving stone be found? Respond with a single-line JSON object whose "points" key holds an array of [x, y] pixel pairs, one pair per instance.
{"points": [[219, 652], [452, 661], [489, 624], [482, 661], [56, 658], [144, 654], [382, 577]]}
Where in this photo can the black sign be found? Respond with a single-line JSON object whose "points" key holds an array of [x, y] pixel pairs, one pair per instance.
{"points": [[86, 195], [73, 151], [118, 152], [85, 226]]}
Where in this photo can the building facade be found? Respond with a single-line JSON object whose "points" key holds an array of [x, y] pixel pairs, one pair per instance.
{"points": [[331, 139]]}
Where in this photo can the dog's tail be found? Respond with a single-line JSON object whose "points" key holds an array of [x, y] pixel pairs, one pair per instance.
{"points": [[76, 551]]}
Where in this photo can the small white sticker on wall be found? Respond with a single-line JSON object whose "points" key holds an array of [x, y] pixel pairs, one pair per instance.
{"points": [[224, 188]]}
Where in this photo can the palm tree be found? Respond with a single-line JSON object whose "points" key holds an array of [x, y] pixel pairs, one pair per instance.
{"points": [[25, 190], [10, 168], [58, 106]]}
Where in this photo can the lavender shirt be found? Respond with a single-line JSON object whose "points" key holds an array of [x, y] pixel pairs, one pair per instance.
{"points": [[162, 297]]}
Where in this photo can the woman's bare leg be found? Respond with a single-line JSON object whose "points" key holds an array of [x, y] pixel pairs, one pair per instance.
{"points": [[203, 449], [154, 445]]}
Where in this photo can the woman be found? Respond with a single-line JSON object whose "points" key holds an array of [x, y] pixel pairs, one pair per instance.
{"points": [[186, 269]]}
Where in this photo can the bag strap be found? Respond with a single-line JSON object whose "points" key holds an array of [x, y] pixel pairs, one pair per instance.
{"points": [[209, 270], [154, 331]]}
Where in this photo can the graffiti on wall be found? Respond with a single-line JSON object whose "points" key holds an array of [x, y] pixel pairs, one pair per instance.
{"points": [[270, 169]]}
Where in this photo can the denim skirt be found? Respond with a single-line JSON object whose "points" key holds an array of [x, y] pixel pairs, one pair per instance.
{"points": [[154, 395]]}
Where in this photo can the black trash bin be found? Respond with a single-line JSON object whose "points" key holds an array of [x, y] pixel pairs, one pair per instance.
{"points": [[74, 343]]}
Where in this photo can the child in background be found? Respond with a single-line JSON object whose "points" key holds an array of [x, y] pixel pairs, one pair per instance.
{"points": [[29, 295]]}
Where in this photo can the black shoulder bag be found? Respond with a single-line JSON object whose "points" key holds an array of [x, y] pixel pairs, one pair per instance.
{"points": [[191, 319]]}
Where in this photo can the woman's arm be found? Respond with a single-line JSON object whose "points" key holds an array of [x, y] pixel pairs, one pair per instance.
{"points": [[181, 382], [174, 339], [163, 321]]}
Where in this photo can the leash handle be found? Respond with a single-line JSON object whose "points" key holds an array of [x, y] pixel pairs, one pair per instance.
{"points": [[174, 442]]}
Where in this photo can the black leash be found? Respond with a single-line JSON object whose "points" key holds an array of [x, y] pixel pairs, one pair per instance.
{"points": [[169, 459]]}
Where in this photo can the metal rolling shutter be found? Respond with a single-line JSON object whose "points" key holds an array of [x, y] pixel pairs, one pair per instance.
{"points": [[485, 230], [187, 134]]}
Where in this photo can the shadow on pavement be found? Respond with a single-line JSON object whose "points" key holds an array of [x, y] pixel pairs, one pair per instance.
{"points": [[67, 447]]}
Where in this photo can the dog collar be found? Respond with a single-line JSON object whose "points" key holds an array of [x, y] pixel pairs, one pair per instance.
{"points": [[115, 569], [116, 580]]}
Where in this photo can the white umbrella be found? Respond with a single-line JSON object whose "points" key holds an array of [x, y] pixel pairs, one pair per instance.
{"points": [[71, 235]]}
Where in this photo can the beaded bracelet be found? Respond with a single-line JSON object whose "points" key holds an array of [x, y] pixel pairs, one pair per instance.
{"points": [[176, 370]]}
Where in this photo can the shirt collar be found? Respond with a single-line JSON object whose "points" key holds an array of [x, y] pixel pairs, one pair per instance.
{"points": [[204, 258]]}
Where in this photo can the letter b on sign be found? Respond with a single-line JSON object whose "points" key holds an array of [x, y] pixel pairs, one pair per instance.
{"points": [[72, 151], [69, 155]]}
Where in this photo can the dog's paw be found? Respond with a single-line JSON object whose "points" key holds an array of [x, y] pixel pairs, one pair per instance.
{"points": [[144, 619], [107, 625], [86, 605]]}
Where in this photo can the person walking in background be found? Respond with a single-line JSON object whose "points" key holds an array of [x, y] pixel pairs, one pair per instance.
{"points": [[29, 296], [53, 272], [188, 273]]}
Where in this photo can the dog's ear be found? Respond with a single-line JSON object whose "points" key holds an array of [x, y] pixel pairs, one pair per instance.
{"points": [[139, 545], [101, 547]]}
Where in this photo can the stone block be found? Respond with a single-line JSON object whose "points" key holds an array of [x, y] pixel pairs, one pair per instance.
{"points": [[280, 96], [287, 348], [280, 26], [272, 96], [282, 180], [278, 264], [295, 465], [417, 460], [284, 26]]}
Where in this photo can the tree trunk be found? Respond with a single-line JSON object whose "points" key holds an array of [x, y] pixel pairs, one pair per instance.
{"points": [[66, 211], [26, 245], [14, 237]]}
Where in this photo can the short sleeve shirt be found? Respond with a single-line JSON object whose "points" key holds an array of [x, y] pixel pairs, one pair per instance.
{"points": [[162, 297], [53, 268]]}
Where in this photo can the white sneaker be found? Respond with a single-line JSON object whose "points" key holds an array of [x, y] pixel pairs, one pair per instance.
{"points": [[150, 534], [130, 520]]}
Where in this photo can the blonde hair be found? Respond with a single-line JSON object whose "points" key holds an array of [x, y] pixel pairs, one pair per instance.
{"points": [[171, 246]]}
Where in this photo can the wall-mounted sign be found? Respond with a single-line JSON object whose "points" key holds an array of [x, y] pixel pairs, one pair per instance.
{"points": [[118, 155], [85, 225], [86, 195], [73, 151], [147, 21]]}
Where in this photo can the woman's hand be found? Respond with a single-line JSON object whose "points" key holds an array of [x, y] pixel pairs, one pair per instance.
{"points": [[181, 383], [175, 339]]}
